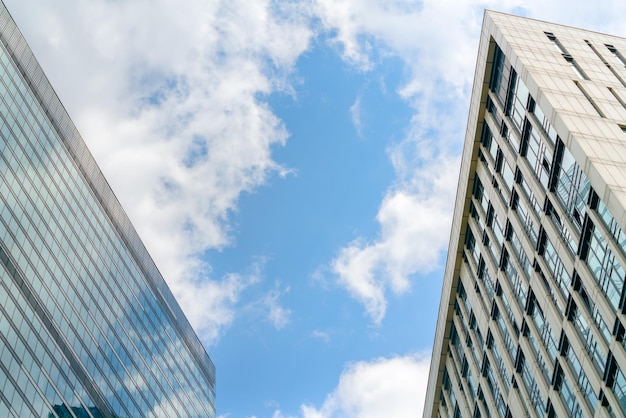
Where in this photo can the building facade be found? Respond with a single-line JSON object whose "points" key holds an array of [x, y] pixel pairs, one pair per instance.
{"points": [[88, 327], [531, 320]]}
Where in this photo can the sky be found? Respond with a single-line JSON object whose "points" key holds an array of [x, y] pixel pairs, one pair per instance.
{"points": [[291, 166]]}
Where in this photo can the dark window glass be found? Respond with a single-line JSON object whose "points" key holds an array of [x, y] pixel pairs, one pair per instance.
{"points": [[572, 189]]}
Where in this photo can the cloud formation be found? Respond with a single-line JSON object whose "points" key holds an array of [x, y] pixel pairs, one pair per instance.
{"points": [[172, 102], [414, 216], [278, 315], [384, 387], [355, 115], [413, 233]]}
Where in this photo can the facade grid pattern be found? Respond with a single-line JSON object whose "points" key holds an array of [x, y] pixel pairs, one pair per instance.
{"points": [[88, 327], [531, 321]]}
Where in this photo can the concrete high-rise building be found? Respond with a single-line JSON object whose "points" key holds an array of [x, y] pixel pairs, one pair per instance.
{"points": [[531, 321], [88, 327]]}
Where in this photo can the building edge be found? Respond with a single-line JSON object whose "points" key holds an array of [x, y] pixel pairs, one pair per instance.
{"points": [[469, 160], [612, 194], [17, 46]]}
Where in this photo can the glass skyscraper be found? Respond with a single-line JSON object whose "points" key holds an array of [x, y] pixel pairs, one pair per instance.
{"points": [[88, 327], [532, 315]]}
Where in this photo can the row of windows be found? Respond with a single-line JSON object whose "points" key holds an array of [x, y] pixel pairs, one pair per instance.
{"points": [[567, 198], [29, 351], [537, 400], [40, 185], [25, 258]]}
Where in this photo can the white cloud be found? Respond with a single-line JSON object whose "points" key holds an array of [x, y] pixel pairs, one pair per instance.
{"points": [[279, 414], [265, 305], [277, 314], [321, 335], [384, 387], [437, 41], [414, 226], [171, 101], [355, 115], [414, 216], [409, 29]]}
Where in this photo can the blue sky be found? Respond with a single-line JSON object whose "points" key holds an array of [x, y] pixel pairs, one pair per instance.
{"points": [[291, 166]]}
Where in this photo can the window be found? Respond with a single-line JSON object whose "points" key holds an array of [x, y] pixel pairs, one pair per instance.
{"points": [[556, 42], [485, 276], [617, 54], [572, 186], [555, 265], [471, 383], [531, 387], [582, 380], [612, 225], [544, 329], [586, 335], [528, 222], [604, 266], [543, 122], [498, 231], [579, 73], [480, 196], [567, 237], [462, 296], [470, 244], [507, 175], [593, 310], [537, 153], [520, 98], [496, 72], [587, 96], [504, 373], [494, 388], [619, 387], [568, 395], [502, 76], [516, 282], [487, 140]]}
